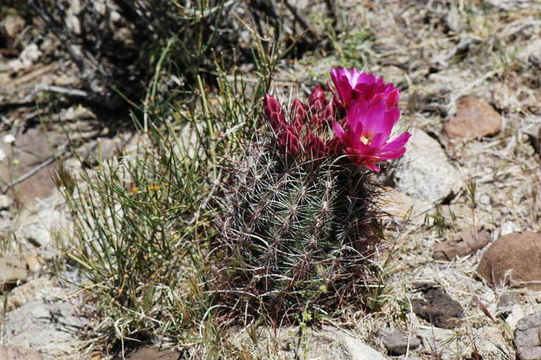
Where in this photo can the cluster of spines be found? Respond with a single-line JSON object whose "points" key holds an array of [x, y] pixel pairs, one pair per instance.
{"points": [[297, 233]]}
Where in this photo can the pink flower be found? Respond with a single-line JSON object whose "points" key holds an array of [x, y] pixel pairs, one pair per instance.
{"points": [[365, 139], [351, 86]]}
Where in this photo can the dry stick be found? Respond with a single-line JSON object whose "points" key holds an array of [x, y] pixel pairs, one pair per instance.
{"points": [[60, 90]]}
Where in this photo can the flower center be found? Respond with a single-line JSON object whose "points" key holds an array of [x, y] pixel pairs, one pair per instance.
{"points": [[365, 139]]}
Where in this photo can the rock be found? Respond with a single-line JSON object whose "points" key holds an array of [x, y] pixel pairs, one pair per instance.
{"points": [[32, 262], [30, 150], [43, 227], [334, 345], [438, 308], [13, 25], [533, 132], [17, 353], [528, 338], [398, 341], [532, 53], [5, 202], [26, 59], [151, 353], [488, 342], [516, 314], [96, 151], [442, 343], [510, 4], [514, 258], [506, 302], [462, 244], [474, 118], [36, 289], [290, 343], [12, 270], [50, 328], [458, 214], [402, 208], [425, 172]]}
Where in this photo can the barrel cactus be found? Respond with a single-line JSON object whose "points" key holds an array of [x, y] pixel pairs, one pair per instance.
{"points": [[301, 229]]}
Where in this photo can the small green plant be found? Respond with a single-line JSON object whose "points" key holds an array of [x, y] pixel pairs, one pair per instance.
{"points": [[436, 220], [143, 220]]}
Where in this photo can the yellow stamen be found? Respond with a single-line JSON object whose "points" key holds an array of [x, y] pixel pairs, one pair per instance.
{"points": [[365, 140]]}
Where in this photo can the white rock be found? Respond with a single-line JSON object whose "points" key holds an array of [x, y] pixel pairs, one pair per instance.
{"points": [[13, 25], [5, 201], [510, 4], [488, 341], [27, 58], [43, 226], [359, 351], [444, 342], [337, 345], [509, 227], [327, 344], [533, 49], [36, 289], [401, 208], [514, 317], [425, 172], [9, 139], [50, 328]]}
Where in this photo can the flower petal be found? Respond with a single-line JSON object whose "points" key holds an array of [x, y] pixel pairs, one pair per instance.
{"points": [[338, 130], [397, 142]]}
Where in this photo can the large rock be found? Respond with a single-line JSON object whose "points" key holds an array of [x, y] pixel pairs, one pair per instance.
{"points": [[461, 244], [528, 338], [425, 171], [50, 328], [513, 258], [474, 118]]}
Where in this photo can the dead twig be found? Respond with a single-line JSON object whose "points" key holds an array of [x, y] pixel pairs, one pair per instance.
{"points": [[60, 90]]}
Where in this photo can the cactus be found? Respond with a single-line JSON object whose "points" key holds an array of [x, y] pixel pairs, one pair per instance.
{"points": [[301, 227]]}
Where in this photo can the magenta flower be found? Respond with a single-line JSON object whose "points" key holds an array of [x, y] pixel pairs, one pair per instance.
{"points": [[351, 86], [366, 135], [371, 112]]}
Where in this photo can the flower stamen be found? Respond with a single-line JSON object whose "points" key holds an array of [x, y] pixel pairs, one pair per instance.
{"points": [[366, 139]]}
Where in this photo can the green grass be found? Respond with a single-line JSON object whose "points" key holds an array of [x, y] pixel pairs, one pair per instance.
{"points": [[144, 220]]}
